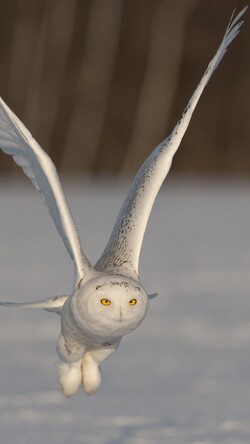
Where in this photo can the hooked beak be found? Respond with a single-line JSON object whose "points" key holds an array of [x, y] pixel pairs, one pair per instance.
{"points": [[120, 319]]}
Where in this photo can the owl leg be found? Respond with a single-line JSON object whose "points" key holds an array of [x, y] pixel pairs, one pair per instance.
{"points": [[91, 374], [69, 377], [69, 369]]}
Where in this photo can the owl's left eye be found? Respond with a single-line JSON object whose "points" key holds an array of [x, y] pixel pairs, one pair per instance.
{"points": [[105, 302], [133, 301]]}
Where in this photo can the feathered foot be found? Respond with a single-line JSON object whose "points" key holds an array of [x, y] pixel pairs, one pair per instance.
{"points": [[91, 375], [69, 377]]}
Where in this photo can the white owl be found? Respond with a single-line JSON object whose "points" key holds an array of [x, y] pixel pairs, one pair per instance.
{"points": [[108, 299]]}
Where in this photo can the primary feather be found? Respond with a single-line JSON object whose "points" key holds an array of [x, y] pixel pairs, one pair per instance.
{"points": [[54, 304], [123, 248], [18, 142]]}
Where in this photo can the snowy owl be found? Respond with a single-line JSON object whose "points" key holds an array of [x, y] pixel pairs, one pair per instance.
{"points": [[108, 300]]}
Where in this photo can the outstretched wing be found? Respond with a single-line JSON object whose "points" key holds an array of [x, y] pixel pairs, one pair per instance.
{"points": [[17, 141], [123, 249], [52, 304]]}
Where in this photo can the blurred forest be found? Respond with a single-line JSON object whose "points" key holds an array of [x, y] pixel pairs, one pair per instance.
{"points": [[100, 83]]}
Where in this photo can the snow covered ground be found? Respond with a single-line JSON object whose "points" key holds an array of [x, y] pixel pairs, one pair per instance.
{"points": [[184, 376]]}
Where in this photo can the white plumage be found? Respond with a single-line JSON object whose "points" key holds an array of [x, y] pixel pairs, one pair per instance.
{"points": [[108, 299]]}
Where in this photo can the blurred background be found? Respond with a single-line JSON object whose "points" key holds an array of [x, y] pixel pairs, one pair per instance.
{"points": [[100, 83]]}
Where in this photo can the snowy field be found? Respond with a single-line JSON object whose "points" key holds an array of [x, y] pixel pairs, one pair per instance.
{"points": [[184, 375]]}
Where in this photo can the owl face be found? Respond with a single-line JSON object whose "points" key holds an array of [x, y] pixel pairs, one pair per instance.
{"points": [[109, 306]]}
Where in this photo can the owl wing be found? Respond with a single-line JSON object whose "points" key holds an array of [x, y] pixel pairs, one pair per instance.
{"points": [[54, 304], [17, 141], [123, 248]]}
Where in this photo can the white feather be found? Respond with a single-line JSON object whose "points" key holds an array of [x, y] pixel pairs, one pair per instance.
{"points": [[54, 304], [69, 377], [123, 248], [17, 141]]}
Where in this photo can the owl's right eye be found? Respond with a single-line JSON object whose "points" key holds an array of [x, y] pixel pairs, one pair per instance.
{"points": [[105, 302]]}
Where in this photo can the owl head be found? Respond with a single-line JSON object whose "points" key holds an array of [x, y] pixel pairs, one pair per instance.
{"points": [[109, 306]]}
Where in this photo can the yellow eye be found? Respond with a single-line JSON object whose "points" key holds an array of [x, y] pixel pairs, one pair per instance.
{"points": [[105, 302], [133, 301]]}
